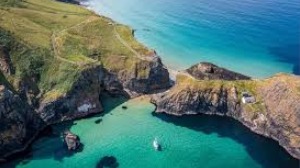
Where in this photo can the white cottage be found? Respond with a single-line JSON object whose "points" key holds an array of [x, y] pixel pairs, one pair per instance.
{"points": [[247, 98]]}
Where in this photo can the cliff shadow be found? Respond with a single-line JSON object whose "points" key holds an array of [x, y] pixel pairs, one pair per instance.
{"points": [[50, 144], [263, 150], [288, 54]]}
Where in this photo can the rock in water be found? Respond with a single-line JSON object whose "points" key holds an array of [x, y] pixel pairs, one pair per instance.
{"points": [[72, 141], [108, 161]]}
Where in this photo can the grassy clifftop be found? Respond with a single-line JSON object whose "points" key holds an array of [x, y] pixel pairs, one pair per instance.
{"points": [[254, 87], [49, 43]]}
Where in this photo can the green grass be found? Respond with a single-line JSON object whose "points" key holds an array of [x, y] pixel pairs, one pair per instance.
{"points": [[127, 34], [54, 42]]}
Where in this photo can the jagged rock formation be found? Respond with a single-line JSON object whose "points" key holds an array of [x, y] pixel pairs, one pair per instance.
{"points": [[209, 71], [19, 123], [72, 141], [276, 113]]}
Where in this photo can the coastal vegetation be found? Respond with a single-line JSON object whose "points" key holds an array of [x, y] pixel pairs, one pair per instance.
{"points": [[53, 42]]}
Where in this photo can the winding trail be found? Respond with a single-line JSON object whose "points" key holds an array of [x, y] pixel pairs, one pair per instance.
{"points": [[136, 54], [54, 42], [91, 19], [173, 73]]}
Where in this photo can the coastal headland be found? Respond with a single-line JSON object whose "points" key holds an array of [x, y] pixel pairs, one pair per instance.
{"points": [[57, 59]]}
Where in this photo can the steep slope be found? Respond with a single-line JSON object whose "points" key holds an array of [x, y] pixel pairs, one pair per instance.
{"points": [[275, 114]]}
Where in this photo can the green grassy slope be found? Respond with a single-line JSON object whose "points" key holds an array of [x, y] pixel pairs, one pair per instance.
{"points": [[52, 42]]}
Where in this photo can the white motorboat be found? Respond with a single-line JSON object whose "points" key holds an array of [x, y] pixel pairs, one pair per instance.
{"points": [[156, 145]]}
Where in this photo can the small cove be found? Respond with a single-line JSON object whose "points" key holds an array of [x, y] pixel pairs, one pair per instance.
{"points": [[189, 141]]}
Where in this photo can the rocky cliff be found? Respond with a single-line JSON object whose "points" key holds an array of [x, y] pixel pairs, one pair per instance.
{"points": [[275, 114], [19, 123], [83, 98]]}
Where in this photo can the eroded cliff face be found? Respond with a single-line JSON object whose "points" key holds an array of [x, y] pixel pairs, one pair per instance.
{"points": [[148, 77], [82, 100], [275, 114], [19, 123]]}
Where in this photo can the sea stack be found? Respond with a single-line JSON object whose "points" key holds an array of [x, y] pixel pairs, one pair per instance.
{"points": [[72, 141]]}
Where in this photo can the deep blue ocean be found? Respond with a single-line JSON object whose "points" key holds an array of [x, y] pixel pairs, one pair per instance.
{"points": [[254, 37]]}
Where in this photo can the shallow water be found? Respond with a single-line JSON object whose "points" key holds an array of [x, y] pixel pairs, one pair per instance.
{"points": [[255, 37], [191, 141]]}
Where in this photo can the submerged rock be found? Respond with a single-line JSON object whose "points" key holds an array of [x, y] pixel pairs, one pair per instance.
{"points": [[108, 162], [98, 121]]}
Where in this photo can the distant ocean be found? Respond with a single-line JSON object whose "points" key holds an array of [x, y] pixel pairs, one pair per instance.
{"points": [[255, 37]]}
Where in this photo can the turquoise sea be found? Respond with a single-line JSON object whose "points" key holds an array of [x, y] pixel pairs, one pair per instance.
{"points": [[255, 37], [188, 142]]}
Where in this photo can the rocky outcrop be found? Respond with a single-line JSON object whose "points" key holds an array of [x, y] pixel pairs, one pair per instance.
{"points": [[19, 123], [148, 77], [72, 141], [275, 114], [209, 71]]}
